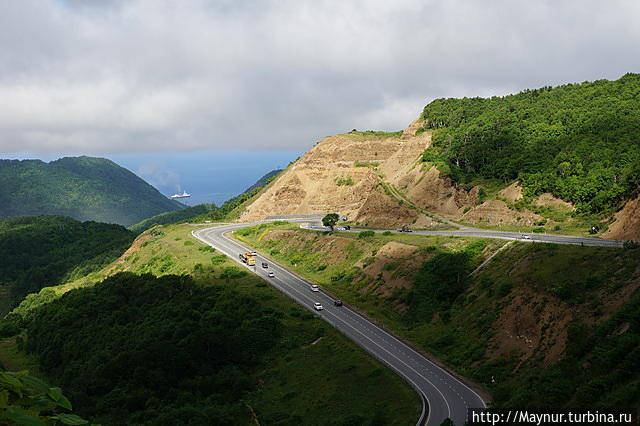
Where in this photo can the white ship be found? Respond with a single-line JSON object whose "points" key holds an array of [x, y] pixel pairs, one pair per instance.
{"points": [[184, 194]]}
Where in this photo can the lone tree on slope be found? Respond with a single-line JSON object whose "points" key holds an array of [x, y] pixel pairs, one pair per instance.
{"points": [[330, 220]]}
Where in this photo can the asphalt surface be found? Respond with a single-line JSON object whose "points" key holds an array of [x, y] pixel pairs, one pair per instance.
{"points": [[444, 395], [516, 236]]}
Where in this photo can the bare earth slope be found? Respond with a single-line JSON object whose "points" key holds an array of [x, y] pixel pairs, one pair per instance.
{"points": [[378, 179], [627, 222], [343, 173]]}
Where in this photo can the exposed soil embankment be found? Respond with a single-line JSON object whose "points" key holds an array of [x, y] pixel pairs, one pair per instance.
{"points": [[627, 222]]}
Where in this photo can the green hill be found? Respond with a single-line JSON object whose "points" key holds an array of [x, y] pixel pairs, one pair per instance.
{"points": [[47, 250], [580, 142], [172, 217], [84, 188]]}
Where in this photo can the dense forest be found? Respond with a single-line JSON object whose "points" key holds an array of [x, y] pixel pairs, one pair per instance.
{"points": [[39, 251], [173, 217], [580, 142], [136, 349], [84, 188]]}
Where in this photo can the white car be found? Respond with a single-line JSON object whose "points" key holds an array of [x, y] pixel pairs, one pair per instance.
{"points": [[314, 287], [271, 274], [526, 237], [317, 306]]}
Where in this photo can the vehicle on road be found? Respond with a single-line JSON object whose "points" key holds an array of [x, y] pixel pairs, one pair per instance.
{"points": [[315, 287], [337, 302], [317, 306], [405, 228], [265, 265], [347, 227], [248, 258], [525, 237], [271, 274], [340, 228]]}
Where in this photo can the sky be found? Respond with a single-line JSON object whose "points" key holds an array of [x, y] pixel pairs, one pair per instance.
{"points": [[208, 95]]}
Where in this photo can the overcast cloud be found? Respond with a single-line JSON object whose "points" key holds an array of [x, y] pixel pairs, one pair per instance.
{"points": [[110, 77]]}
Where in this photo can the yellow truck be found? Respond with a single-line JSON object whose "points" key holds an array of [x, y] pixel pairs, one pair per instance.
{"points": [[248, 258]]}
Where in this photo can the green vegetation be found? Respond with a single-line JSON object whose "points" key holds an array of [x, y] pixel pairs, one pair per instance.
{"points": [[330, 220], [84, 188], [580, 142], [27, 400], [344, 181], [375, 133], [173, 217], [155, 350], [39, 251], [372, 164], [341, 269], [555, 326], [135, 330]]}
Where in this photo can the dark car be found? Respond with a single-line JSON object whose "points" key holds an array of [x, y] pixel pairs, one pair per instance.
{"points": [[347, 227], [264, 265], [337, 302]]}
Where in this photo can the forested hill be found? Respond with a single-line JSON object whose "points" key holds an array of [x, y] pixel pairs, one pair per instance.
{"points": [[84, 188], [39, 251], [580, 142]]}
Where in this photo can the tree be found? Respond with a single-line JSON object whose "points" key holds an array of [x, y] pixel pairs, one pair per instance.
{"points": [[330, 220], [27, 400]]}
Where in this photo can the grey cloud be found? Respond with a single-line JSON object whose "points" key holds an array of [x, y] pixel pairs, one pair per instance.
{"points": [[104, 77]]}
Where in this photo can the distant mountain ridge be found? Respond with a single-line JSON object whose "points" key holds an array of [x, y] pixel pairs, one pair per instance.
{"points": [[84, 188]]}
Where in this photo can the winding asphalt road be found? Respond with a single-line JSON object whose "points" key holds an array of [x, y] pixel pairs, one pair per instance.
{"points": [[442, 394]]}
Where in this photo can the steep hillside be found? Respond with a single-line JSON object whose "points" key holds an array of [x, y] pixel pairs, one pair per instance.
{"points": [[539, 325], [555, 160], [346, 173], [174, 330], [41, 251], [84, 188], [626, 222]]}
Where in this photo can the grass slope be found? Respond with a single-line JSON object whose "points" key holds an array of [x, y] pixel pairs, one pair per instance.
{"points": [[84, 188], [300, 376], [555, 326]]}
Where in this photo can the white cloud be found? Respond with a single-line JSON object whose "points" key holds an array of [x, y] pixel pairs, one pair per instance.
{"points": [[107, 77]]}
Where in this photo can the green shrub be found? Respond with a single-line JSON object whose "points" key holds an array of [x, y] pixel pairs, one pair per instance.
{"points": [[342, 181], [366, 234]]}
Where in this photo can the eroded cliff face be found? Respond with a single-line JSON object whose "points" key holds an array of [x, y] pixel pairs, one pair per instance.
{"points": [[627, 222], [356, 174], [379, 180]]}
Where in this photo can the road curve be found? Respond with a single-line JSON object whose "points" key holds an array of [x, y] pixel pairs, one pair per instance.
{"points": [[444, 395]]}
